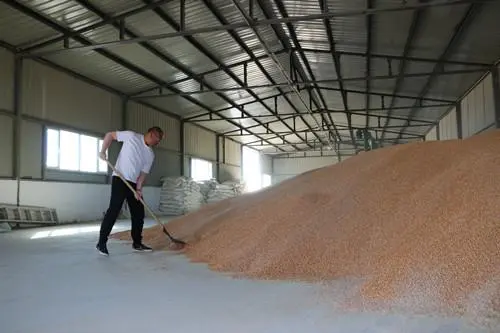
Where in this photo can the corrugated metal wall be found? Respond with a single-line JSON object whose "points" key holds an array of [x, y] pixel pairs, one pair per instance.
{"points": [[448, 126], [52, 95], [285, 168], [199, 142], [266, 164], [478, 111], [31, 149], [230, 160], [167, 155], [7, 112], [6, 145], [432, 135], [140, 118], [232, 153], [6, 80]]}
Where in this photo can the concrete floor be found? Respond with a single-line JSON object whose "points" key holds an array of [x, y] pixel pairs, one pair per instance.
{"points": [[52, 280]]}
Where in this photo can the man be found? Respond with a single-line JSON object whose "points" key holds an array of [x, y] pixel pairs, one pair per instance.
{"points": [[134, 163]]}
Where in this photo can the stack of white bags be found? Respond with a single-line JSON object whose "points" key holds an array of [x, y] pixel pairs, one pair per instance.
{"points": [[180, 195], [223, 191]]}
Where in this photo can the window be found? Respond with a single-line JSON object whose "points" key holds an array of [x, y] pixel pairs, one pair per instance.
{"points": [[251, 169], [266, 180], [201, 170], [71, 151]]}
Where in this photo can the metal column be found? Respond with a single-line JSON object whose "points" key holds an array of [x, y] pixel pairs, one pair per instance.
{"points": [[458, 109], [182, 148], [217, 156], [496, 95], [18, 65]]}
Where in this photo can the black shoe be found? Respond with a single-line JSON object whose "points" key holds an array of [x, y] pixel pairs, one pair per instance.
{"points": [[141, 248], [103, 250]]}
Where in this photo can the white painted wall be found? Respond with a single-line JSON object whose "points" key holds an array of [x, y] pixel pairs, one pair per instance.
{"points": [[199, 142], [432, 135], [6, 80], [478, 111], [55, 96], [285, 168], [85, 202], [448, 126]]}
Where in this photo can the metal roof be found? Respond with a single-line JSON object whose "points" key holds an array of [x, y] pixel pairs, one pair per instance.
{"points": [[201, 60]]}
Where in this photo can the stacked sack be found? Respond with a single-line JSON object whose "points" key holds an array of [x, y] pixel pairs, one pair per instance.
{"points": [[225, 190], [180, 195], [207, 186]]}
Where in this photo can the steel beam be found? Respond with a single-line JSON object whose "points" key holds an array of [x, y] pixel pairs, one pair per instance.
{"points": [[250, 53], [304, 84], [273, 58], [415, 24], [396, 57], [323, 4], [496, 95], [293, 57], [111, 19], [193, 118], [458, 34], [339, 111], [18, 76], [28, 11], [165, 58], [164, 16], [293, 116], [369, 29], [355, 91], [458, 110], [481, 66], [182, 147], [254, 24]]}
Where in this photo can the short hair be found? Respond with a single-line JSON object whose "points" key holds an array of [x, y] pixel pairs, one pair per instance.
{"points": [[156, 129]]}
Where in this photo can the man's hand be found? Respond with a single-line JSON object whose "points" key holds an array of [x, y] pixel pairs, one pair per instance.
{"points": [[102, 156], [139, 194]]}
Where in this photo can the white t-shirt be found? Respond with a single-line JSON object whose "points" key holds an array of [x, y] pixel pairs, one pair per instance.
{"points": [[134, 157]]}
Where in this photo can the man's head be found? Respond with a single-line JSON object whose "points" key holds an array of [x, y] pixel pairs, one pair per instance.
{"points": [[153, 136]]}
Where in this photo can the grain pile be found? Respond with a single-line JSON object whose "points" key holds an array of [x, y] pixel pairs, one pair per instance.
{"points": [[417, 222]]}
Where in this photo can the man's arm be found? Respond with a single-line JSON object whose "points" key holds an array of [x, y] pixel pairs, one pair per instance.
{"points": [[140, 180], [144, 172], [108, 139], [120, 136]]}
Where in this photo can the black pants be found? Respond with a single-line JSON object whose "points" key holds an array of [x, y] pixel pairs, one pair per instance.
{"points": [[120, 192]]}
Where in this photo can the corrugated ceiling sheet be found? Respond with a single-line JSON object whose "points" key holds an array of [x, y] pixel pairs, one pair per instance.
{"points": [[114, 7], [477, 45], [436, 30], [102, 69], [390, 29], [67, 13], [19, 29], [149, 23]]}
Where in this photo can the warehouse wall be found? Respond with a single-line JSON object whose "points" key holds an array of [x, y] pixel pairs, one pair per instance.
{"points": [[168, 153], [285, 168], [448, 129], [432, 135], [230, 160], [53, 98], [199, 143], [266, 164], [477, 111]]}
